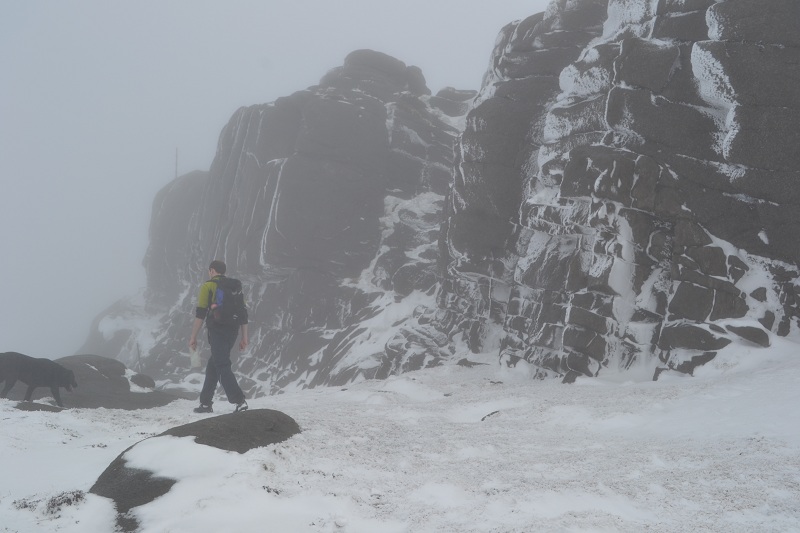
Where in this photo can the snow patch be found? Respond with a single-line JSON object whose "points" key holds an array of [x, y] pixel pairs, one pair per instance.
{"points": [[714, 84], [601, 455]]}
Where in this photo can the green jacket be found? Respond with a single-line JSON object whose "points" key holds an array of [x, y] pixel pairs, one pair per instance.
{"points": [[206, 297]]}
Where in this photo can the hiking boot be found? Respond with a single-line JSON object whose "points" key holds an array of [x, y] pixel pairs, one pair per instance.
{"points": [[241, 406], [203, 409]]}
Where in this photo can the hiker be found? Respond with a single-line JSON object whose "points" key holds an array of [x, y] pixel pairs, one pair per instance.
{"points": [[222, 334]]}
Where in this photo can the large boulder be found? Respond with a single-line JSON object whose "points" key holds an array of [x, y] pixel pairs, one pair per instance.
{"points": [[131, 487]]}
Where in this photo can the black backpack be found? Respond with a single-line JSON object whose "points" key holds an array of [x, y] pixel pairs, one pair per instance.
{"points": [[227, 304]]}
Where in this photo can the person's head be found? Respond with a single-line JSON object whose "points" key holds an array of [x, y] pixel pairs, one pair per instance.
{"points": [[216, 267]]}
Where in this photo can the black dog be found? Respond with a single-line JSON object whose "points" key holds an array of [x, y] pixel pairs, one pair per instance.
{"points": [[34, 373]]}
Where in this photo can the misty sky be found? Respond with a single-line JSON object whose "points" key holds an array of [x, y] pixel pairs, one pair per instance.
{"points": [[96, 97]]}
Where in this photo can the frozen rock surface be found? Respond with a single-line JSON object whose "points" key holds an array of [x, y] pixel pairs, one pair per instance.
{"points": [[621, 190], [643, 208]]}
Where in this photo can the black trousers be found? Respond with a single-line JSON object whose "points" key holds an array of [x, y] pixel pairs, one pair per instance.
{"points": [[218, 369]]}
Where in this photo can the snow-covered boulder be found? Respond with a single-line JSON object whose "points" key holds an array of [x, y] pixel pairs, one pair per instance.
{"points": [[136, 477]]}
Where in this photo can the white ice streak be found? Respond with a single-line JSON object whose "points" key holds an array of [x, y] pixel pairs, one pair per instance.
{"points": [[713, 82], [272, 217], [629, 16], [715, 25], [592, 78]]}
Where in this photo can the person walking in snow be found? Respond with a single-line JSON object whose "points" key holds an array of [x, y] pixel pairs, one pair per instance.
{"points": [[221, 338]]}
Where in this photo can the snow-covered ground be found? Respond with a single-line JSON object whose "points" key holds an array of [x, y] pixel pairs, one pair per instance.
{"points": [[449, 449]]}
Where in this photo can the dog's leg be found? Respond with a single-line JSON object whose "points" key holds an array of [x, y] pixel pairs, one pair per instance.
{"points": [[57, 396], [9, 385], [29, 392]]}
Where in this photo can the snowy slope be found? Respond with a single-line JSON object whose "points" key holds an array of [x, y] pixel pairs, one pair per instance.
{"points": [[447, 449]]}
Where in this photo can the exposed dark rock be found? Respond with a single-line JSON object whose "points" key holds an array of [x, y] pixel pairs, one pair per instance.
{"points": [[322, 203], [237, 432], [760, 294], [755, 335], [104, 382], [616, 191], [633, 185], [756, 21], [143, 381], [467, 363], [689, 336], [689, 364], [240, 432]]}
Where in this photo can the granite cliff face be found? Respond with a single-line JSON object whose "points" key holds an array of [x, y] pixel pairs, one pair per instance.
{"points": [[626, 190], [621, 190], [327, 204]]}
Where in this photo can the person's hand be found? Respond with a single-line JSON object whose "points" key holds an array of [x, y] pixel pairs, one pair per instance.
{"points": [[243, 344], [192, 344]]}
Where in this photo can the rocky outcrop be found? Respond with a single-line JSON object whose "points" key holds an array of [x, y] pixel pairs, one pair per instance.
{"points": [[641, 207], [327, 204], [620, 190]]}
